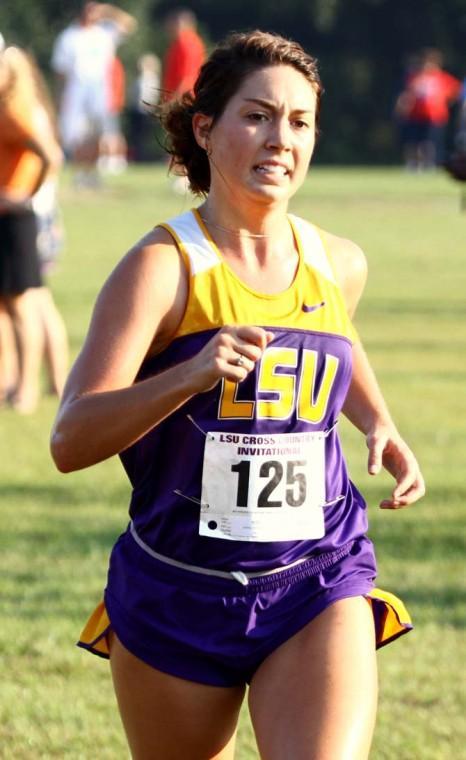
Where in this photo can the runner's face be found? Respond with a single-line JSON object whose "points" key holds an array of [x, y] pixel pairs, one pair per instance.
{"points": [[263, 141]]}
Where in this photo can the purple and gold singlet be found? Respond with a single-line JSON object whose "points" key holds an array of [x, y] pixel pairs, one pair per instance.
{"points": [[251, 476], [244, 523]]}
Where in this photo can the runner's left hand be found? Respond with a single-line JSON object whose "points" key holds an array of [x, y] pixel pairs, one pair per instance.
{"points": [[388, 449]]}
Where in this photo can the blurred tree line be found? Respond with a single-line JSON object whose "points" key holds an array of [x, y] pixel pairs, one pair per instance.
{"points": [[363, 47]]}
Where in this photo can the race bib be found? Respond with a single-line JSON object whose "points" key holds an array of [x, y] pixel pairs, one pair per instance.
{"points": [[263, 487]]}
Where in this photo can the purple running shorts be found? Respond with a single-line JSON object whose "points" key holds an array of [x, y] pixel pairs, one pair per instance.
{"points": [[216, 630]]}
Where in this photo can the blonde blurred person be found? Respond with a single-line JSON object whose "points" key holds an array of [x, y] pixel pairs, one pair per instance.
{"points": [[30, 158]]}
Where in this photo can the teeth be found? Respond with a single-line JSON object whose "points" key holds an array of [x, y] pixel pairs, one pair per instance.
{"points": [[270, 169]]}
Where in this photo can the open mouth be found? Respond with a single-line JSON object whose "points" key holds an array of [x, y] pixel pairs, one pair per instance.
{"points": [[274, 170]]}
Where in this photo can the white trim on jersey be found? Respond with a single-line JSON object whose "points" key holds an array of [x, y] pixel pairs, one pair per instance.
{"points": [[202, 255], [313, 247]]}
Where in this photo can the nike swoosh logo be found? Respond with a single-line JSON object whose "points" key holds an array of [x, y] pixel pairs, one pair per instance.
{"points": [[314, 307]]}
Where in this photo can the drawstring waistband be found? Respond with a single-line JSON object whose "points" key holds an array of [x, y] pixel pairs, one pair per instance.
{"points": [[237, 575]]}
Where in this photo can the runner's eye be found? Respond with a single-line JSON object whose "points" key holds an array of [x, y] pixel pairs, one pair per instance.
{"points": [[256, 116], [300, 124]]}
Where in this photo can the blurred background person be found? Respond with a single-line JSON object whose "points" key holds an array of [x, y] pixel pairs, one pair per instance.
{"points": [[29, 155], [30, 158], [83, 58], [144, 95], [184, 57], [423, 107], [8, 355], [50, 242], [113, 148], [403, 104], [185, 54]]}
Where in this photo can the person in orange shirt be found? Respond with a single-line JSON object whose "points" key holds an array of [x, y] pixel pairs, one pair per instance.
{"points": [[29, 155]]}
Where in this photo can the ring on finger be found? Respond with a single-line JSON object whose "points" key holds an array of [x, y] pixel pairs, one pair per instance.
{"points": [[240, 361]]}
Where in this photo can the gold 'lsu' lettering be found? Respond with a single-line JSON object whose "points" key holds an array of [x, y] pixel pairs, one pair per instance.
{"points": [[312, 406], [286, 392], [282, 386]]}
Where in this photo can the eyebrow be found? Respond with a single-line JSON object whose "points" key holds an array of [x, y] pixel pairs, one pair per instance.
{"points": [[268, 104]]}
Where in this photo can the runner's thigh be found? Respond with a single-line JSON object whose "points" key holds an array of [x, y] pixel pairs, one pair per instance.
{"points": [[168, 718], [315, 697]]}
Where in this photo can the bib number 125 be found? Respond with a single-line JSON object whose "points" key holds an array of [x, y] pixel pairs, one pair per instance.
{"points": [[270, 492], [273, 470]]}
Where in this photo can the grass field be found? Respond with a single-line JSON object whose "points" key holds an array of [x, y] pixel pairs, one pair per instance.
{"points": [[55, 700]]}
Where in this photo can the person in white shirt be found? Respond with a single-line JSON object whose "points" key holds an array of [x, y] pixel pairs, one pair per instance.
{"points": [[82, 57]]}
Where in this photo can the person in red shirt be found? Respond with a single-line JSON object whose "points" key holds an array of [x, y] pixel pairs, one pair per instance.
{"points": [[185, 55], [181, 64], [424, 107]]}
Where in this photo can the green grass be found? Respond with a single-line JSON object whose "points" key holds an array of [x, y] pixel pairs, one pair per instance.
{"points": [[55, 700]]}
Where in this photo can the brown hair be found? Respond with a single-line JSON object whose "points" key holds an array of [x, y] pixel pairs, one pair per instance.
{"points": [[219, 79]]}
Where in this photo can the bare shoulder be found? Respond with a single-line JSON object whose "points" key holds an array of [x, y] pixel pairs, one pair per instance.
{"points": [[151, 282], [155, 249], [350, 267], [348, 259], [137, 311], [152, 265]]}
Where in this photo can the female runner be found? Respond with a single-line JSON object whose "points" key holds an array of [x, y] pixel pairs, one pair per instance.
{"points": [[219, 357]]}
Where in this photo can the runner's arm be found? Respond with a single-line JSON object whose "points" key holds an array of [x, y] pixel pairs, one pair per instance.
{"points": [[103, 410], [365, 405]]}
